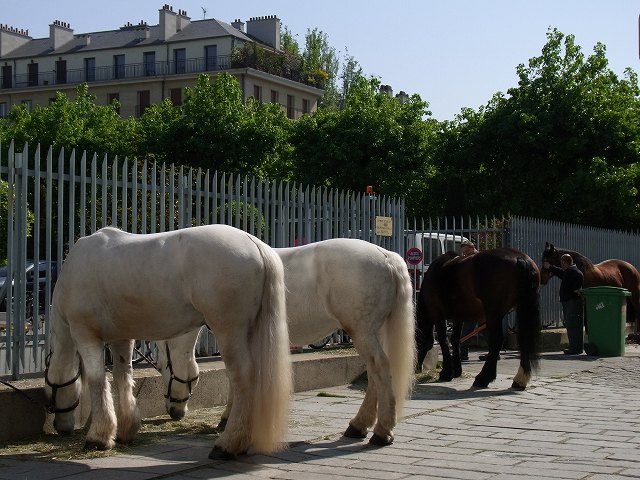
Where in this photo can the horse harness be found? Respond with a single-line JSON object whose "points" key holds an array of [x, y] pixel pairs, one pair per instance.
{"points": [[51, 408], [177, 379]]}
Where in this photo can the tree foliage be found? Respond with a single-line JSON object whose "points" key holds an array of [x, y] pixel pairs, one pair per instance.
{"points": [[561, 145], [374, 140], [77, 123]]}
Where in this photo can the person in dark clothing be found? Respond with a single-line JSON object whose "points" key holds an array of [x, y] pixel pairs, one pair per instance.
{"points": [[570, 286]]}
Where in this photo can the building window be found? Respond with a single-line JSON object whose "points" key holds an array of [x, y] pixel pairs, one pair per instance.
{"points": [[257, 92], [3, 109], [180, 59], [275, 96], [144, 101], [291, 101], [89, 69], [28, 104], [110, 99], [211, 57], [32, 73], [175, 94], [306, 106], [7, 76], [118, 66], [61, 71], [150, 64]]}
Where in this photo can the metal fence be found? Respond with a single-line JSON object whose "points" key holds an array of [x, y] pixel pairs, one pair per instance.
{"points": [[598, 244], [529, 236], [55, 199]]}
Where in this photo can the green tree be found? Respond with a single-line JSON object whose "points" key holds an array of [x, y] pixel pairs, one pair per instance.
{"points": [[555, 146], [216, 130], [320, 65], [77, 123], [374, 140]]}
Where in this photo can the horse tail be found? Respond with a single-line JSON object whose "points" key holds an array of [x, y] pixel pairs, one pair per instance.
{"points": [[528, 314], [269, 349], [399, 333]]}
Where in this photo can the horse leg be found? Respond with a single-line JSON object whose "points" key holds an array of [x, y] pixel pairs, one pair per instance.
{"points": [[446, 374], [224, 418], [126, 408], [236, 437], [366, 416], [379, 390], [495, 340], [455, 348], [102, 431]]}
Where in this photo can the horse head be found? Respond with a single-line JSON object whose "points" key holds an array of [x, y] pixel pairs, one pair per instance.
{"points": [[551, 255], [177, 378]]}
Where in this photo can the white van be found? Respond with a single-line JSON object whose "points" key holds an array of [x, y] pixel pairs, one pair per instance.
{"points": [[432, 244]]}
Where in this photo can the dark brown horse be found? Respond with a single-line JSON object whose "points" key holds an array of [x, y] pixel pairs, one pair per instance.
{"points": [[480, 288], [613, 273]]}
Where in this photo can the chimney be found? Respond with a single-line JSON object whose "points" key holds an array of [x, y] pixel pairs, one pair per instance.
{"points": [[182, 20], [85, 40], [60, 33], [12, 38], [265, 29], [168, 22], [387, 89], [238, 25]]}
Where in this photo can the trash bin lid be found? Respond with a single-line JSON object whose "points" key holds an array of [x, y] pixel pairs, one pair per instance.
{"points": [[606, 290]]}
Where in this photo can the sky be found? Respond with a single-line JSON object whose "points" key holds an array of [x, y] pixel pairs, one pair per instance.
{"points": [[453, 53]]}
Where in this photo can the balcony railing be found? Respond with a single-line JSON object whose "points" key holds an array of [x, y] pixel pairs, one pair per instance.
{"points": [[132, 71]]}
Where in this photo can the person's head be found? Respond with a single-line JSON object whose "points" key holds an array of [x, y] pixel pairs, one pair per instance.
{"points": [[467, 247], [566, 261]]}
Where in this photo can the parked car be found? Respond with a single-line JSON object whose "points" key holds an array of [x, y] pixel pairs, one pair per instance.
{"points": [[36, 277]]}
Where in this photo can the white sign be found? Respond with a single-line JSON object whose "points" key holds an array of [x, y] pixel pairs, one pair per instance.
{"points": [[384, 226]]}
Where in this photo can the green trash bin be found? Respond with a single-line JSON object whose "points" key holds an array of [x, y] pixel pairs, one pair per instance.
{"points": [[605, 316]]}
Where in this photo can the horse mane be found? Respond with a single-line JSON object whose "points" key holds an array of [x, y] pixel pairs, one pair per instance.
{"points": [[582, 262]]}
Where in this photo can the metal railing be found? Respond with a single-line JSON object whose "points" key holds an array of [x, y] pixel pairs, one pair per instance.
{"points": [[56, 199]]}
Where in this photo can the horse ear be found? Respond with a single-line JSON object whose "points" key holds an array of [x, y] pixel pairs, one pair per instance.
{"points": [[551, 247], [546, 245]]}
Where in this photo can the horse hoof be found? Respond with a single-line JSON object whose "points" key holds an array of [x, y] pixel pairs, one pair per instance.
{"points": [[518, 387], [380, 441], [480, 384], [457, 373], [222, 425], [217, 453], [445, 377], [353, 432]]}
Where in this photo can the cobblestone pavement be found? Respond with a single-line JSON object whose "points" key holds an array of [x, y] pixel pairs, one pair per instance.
{"points": [[579, 419]]}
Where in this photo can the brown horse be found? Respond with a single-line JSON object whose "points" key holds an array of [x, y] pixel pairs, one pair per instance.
{"points": [[613, 273], [481, 288]]}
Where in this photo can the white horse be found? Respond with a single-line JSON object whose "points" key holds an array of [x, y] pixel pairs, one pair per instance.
{"points": [[115, 287], [339, 283]]}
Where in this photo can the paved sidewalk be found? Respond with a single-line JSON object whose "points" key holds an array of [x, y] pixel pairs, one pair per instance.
{"points": [[578, 420]]}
